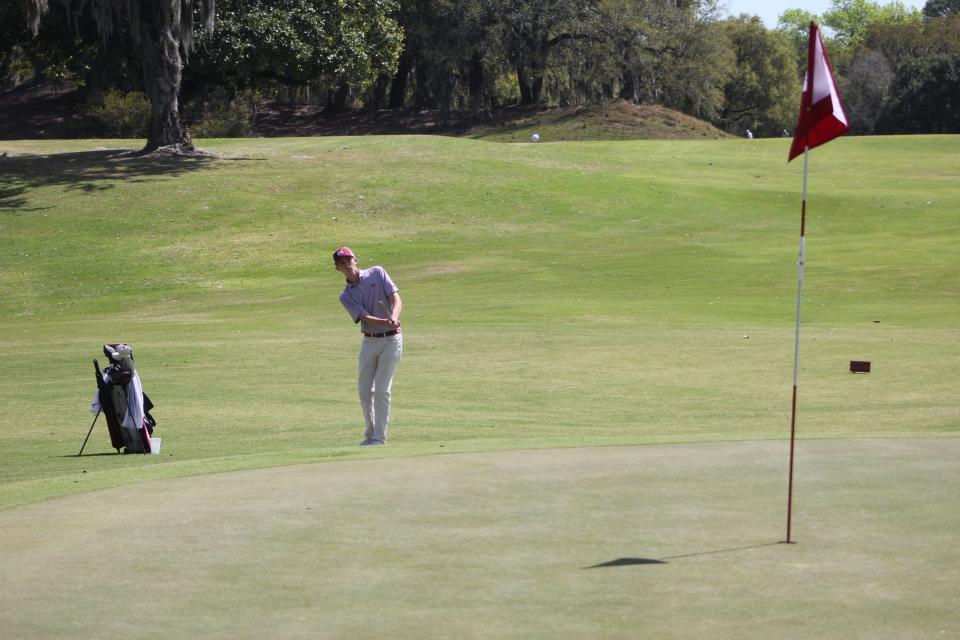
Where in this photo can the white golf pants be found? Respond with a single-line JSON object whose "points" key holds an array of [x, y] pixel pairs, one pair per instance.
{"points": [[378, 360]]}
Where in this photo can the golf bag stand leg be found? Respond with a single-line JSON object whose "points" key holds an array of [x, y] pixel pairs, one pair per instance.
{"points": [[96, 369], [90, 431]]}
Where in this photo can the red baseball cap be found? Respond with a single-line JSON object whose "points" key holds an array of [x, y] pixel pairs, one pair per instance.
{"points": [[342, 252]]}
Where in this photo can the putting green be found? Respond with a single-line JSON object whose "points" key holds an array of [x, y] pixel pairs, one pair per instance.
{"points": [[657, 541]]}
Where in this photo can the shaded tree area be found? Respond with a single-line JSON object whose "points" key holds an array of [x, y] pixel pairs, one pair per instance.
{"points": [[923, 92], [897, 68], [161, 33], [64, 46], [329, 48], [287, 41]]}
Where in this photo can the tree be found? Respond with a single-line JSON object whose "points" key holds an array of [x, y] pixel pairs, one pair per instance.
{"points": [[851, 19], [897, 43], [940, 8], [697, 59], [531, 31], [795, 23], [762, 92], [669, 53], [418, 22], [52, 53], [298, 43], [866, 90], [925, 92], [926, 96], [452, 56], [164, 31]]}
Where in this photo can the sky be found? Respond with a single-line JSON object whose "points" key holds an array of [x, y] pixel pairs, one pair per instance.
{"points": [[770, 10]]}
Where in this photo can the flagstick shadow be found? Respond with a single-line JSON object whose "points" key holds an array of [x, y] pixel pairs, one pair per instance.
{"points": [[625, 562]]}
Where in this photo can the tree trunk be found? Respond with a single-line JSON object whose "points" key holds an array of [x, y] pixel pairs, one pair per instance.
{"points": [[162, 71], [477, 81], [338, 101], [377, 94], [398, 88], [525, 95], [39, 69], [531, 85], [422, 95], [628, 88], [445, 93]]}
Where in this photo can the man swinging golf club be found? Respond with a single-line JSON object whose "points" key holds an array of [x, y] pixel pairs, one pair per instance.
{"points": [[371, 299]]}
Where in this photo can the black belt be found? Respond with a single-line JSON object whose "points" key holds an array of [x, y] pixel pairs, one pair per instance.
{"points": [[381, 335]]}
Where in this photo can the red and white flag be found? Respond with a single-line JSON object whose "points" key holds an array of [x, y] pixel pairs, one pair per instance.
{"points": [[821, 115]]}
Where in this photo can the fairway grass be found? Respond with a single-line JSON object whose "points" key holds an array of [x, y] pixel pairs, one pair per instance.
{"points": [[672, 541], [555, 295]]}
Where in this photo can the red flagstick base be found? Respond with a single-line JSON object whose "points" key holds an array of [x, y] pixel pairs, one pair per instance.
{"points": [[793, 433]]}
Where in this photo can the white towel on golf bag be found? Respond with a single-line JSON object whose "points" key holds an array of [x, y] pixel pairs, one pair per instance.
{"points": [[95, 403], [134, 417], [135, 414]]}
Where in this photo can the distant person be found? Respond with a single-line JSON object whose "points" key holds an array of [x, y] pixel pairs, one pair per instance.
{"points": [[372, 299], [749, 134], [785, 134]]}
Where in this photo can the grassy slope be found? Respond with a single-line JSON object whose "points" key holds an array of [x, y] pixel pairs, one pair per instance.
{"points": [[555, 295], [616, 120]]}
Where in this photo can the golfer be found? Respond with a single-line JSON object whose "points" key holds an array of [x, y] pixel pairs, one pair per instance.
{"points": [[371, 299]]}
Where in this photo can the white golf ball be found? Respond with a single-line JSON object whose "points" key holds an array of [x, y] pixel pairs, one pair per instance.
{"points": [[535, 137]]}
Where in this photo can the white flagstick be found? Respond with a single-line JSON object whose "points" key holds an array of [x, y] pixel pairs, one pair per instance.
{"points": [[796, 343]]}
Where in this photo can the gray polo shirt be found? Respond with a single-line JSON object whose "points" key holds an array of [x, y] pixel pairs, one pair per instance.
{"points": [[371, 296]]}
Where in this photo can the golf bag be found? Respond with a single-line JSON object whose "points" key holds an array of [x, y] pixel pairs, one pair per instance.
{"points": [[125, 406]]}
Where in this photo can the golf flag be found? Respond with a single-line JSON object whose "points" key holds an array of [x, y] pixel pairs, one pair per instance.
{"points": [[821, 120], [821, 115]]}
